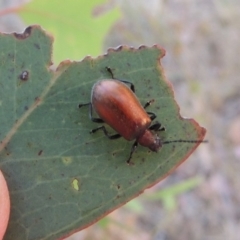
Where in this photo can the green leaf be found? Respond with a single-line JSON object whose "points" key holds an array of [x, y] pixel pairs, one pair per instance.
{"points": [[61, 178], [76, 31]]}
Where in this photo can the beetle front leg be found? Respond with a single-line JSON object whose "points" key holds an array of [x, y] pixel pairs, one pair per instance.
{"points": [[157, 127], [133, 149], [114, 136]]}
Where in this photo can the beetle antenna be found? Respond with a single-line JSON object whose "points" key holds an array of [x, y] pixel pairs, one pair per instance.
{"points": [[185, 141]]}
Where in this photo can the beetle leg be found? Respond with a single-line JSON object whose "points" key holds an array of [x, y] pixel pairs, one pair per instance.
{"points": [[98, 120], [110, 71], [115, 136], [157, 127], [152, 115], [148, 103], [124, 81], [133, 149], [84, 104]]}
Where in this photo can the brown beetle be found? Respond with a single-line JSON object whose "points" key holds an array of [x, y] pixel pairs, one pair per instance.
{"points": [[117, 105]]}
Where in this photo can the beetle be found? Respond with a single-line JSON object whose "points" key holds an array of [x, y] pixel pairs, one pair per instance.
{"points": [[117, 105]]}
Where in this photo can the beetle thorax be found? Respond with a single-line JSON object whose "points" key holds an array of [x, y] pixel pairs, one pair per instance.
{"points": [[150, 140]]}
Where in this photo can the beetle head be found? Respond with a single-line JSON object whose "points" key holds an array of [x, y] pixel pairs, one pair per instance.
{"points": [[150, 140]]}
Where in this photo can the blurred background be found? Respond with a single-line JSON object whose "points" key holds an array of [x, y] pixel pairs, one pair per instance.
{"points": [[201, 199]]}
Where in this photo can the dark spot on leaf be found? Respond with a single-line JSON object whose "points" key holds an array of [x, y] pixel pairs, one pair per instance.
{"points": [[40, 152], [37, 99], [26, 108], [8, 153], [24, 76], [118, 187], [36, 46], [24, 35], [11, 56]]}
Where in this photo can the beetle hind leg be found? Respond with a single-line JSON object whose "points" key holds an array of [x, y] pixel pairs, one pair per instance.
{"points": [[83, 104], [124, 81], [98, 120], [127, 82], [114, 136]]}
